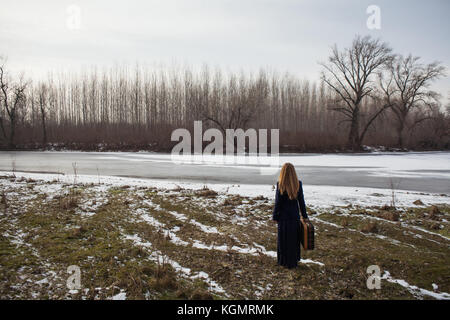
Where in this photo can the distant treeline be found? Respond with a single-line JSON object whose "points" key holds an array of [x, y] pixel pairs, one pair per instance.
{"points": [[137, 108]]}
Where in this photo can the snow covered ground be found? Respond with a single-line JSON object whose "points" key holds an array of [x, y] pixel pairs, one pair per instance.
{"points": [[317, 197], [315, 170], [209, 235]]}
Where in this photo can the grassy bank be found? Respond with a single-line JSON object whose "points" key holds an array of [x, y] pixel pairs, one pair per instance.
{"points": [[150, 243]]}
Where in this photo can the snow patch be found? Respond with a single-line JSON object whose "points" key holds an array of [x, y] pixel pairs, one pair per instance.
{"points": [[416, 291]]}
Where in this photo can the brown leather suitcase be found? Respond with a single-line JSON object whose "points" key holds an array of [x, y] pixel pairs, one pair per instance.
{"points": [[306, 234]]}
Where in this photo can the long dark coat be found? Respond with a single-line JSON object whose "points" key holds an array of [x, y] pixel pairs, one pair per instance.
{"points": [[286, 213]]}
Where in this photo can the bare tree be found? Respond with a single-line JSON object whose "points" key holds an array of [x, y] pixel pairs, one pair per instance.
{"points": [[13, 99], [410, 81], [125, 108], [349, 73], [42, 103], [244, 101]]}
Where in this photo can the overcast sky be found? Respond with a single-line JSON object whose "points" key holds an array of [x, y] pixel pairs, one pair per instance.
{"points": [[284, 35]]}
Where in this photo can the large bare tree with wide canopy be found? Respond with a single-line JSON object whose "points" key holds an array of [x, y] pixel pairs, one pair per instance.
{"points": [[407, 86], [351, 73]]}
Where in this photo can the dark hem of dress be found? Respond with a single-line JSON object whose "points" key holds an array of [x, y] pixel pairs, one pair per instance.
{"points": [[288, 243]]}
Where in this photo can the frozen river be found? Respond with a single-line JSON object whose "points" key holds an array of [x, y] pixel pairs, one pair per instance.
{"points": [[424, 171]]}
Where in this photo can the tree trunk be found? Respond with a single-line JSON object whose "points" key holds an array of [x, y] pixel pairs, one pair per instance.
{"points": [[400, 129], [354, 142], [400, 136], [3, 129], [11, 134], [44, 131]]}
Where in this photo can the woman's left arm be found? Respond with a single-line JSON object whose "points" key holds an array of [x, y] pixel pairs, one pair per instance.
{"points": [[301, 201]]}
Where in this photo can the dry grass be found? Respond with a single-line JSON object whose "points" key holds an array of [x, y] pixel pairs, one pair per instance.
{"points": [[55, 236], [390, 215], [371, 227], [207, 193]]}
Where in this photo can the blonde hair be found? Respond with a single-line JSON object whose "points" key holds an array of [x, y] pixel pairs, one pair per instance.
{"points": [[288, 181]]}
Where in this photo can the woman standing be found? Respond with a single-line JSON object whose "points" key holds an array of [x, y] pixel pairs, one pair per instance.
{"points": [[288, 202]]}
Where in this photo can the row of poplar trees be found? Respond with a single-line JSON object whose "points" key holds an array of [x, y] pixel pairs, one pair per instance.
{"points": [[367, 95]]}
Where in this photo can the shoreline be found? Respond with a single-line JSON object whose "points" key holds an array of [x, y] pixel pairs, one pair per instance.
{"points": [[100, 147]]}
